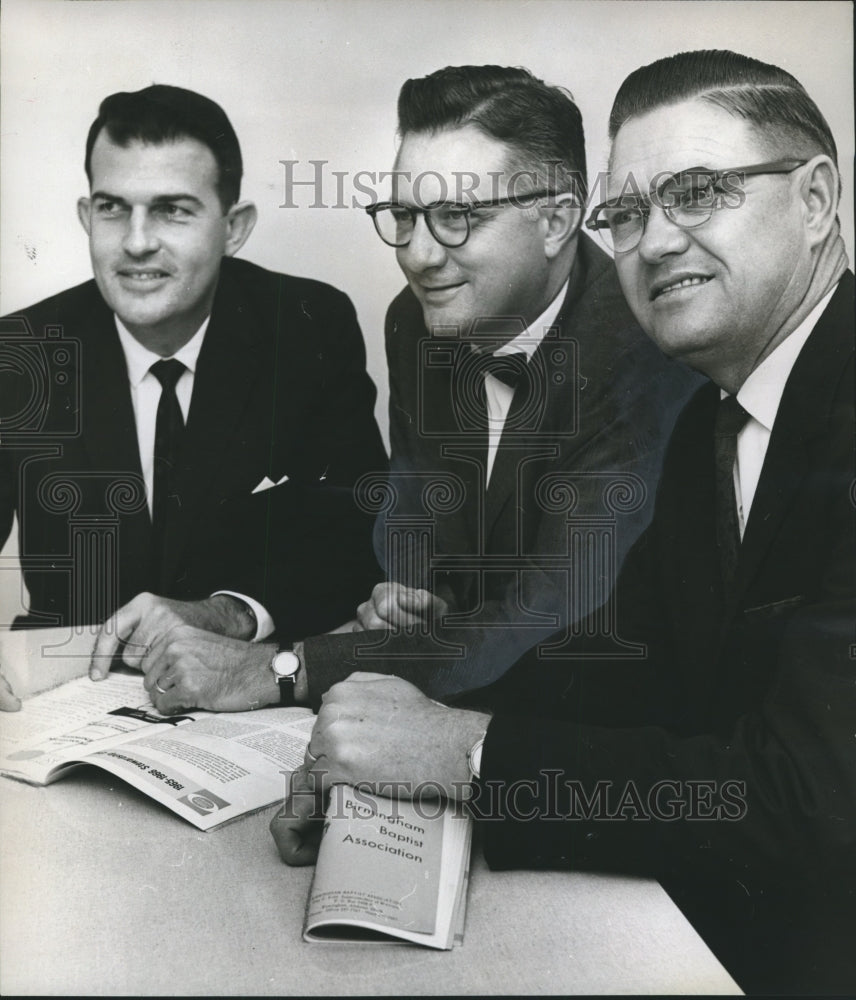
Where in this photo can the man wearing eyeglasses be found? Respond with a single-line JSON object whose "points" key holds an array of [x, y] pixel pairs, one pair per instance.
{"points": [[528, 411], [724, 763]]}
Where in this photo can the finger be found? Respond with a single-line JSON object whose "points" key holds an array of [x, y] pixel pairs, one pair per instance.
{"points": [[296, 839], [158, 681], [415, 600], [156, 655], [116, 629], [298, 826], [367, 616], [172, 702], [365, 675], [407, 607], [9, 701], [424, 604], [134, 653]]}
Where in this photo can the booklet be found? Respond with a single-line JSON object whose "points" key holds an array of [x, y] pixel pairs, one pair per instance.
{"points": [[209, 768], [390, 870]]}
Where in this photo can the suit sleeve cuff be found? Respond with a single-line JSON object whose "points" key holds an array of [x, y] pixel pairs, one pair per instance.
{"points": [[264, 622]]}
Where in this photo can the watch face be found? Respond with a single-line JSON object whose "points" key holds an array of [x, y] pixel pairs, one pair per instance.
{"points": [[285, 664], [475, 756]]}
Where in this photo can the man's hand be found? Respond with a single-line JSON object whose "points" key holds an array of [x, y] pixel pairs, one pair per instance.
{"points": [[382, 732], [298, 826], [147, 619], [188, 668], [9, 701], [392, 605]]}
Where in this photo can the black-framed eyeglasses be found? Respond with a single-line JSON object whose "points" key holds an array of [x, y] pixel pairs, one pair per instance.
{"points": [[448, 222], [689, 198]]}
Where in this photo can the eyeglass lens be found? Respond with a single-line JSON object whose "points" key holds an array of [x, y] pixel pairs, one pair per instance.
{"points": [[448, 224], [688, 199]]}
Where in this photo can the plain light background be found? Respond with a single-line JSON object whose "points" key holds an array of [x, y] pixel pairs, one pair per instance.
{"points": [[312, 80]]}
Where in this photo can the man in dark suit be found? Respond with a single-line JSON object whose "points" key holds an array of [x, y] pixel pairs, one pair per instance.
{"points": [[271, 407], [723, 763], [528, 411]]}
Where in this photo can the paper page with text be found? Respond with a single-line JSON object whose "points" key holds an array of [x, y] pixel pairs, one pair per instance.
{"points": [[208, 768], [389, 870], [66, 723], [218, 767]]}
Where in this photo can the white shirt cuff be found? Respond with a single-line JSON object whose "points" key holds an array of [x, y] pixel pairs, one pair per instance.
{"points": [[264, 622]]}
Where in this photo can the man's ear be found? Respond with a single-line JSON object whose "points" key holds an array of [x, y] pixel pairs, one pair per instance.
{"points": [[820, 191], [83, 205], [240, 220], [563, 221]]}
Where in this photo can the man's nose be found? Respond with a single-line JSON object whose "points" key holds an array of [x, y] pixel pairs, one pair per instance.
{"points": [[661, 236], [423, 251], [140, 235]]}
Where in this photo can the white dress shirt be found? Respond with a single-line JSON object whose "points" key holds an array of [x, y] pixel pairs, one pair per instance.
{"points": [[760, 396], [498, 394], [146, 391], [145, 396]]}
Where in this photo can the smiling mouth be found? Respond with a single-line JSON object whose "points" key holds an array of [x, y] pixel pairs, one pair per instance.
{"points": [[677, 285], [143, 276]]}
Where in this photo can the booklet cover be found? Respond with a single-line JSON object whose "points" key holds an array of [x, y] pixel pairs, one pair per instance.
{"points": [[390, 870]]}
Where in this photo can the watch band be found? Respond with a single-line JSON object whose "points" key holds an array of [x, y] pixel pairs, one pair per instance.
{"points": [[286, 682]]}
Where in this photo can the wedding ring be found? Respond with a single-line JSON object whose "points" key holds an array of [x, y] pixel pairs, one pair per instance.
{"points": [[159, 688], [312, 758]]}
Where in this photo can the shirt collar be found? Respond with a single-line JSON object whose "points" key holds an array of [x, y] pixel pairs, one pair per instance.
{"points": [[529, 341], [140, 359], [761, 393]]}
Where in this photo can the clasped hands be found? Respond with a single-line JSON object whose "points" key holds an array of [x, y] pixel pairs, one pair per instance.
{"points": [[189, 653], [392, 605]]}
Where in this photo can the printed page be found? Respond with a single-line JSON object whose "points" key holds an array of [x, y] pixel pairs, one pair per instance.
{"points": [[219, 767], [66, 723], [388, 869]]}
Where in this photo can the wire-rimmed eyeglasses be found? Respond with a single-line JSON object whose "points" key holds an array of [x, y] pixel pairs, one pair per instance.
{"points": [[689, 198], [448, 222]]}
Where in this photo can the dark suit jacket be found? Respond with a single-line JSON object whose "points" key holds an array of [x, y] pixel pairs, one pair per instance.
{"points": [[280, 389], [752, 694], [571, 489]]}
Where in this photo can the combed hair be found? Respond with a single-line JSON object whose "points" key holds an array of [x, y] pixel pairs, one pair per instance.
{"points": [[541, 124], [772, 101], [162, 114]]}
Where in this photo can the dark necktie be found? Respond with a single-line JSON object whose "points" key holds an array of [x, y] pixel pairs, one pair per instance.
{"points": [[730, 420], [169, 430], [508, 369]]}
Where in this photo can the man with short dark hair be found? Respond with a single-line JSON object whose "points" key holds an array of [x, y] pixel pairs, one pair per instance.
{"points": [[528, 411], [721, 763], [186, 422]]}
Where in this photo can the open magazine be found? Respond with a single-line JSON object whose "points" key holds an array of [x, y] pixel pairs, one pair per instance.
{"points": [[390, 871], [208, 768]]}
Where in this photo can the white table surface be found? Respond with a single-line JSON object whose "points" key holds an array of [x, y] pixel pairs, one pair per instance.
{"points": [[103, 892]]}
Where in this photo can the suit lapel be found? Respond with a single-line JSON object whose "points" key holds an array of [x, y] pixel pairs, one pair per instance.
{"points": [[110, 436], [229, 366], [803, 415], [534, 410], [515, 449], [110, 441]]}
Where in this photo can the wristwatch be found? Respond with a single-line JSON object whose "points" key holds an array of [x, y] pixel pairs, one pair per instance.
{"points": [[474, 756], [285, 666]]}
